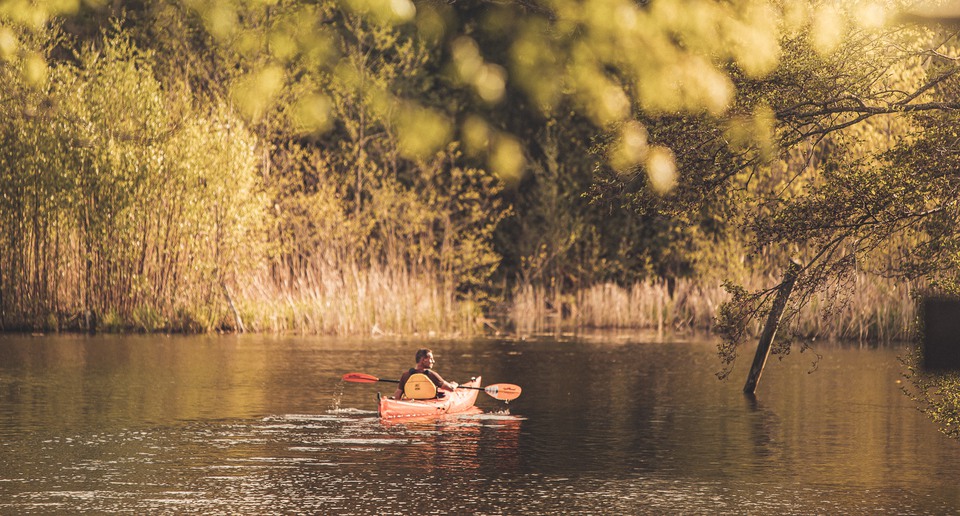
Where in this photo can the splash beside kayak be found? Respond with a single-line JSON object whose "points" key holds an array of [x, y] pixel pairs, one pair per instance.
{"points": [[459, 401]]}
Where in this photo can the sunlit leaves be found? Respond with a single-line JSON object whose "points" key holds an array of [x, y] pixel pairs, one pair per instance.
{"points": [[860, 186], [641, 45], [828, 28], [631, 148], [431, 24], [661, 169], [219, 16], [224, 211], [422, 131], [8, 43], [30, 14], [871, 15], [312, 113], [664, 57], [608, 59], [254, 94], [611, 58], [754, 132], [795, 17], [937, 394], [488, 79], [756, 40], [504, 152], [35, 69], [603, 100], [285, 35], [607, 55], [537, 67], [506, 158], [384, 11], [282, 45], [476, 135]]}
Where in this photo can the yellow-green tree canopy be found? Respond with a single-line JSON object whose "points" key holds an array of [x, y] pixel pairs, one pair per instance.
{"points": [[606, 59]]}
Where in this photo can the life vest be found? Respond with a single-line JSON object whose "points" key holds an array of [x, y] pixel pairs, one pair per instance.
{"points": [[419, 387]]}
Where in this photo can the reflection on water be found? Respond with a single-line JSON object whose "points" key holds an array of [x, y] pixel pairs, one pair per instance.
{"points": [[258, 425], [252, 467]]}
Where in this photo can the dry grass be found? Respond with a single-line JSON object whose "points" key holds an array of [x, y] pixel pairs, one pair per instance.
{"points": [[352, 301], [875, 310]]}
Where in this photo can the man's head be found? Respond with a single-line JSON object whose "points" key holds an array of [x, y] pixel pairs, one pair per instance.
{"points": [[425, 358]]}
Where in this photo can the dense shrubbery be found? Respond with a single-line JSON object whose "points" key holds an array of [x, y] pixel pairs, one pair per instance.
{"points": [[133, 200], [121, 199]]}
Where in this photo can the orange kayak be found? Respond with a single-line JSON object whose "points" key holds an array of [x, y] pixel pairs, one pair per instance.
{"points": [[456, 402]]}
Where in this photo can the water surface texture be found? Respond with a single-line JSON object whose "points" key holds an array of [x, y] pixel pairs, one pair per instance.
{"points": [[605, 425]]}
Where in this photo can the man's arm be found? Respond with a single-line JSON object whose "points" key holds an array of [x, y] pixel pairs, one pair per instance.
{"points": [[441, 383], [403, 381]]}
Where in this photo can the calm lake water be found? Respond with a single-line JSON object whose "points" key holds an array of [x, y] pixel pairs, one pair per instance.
{"points": [[605, 425]]}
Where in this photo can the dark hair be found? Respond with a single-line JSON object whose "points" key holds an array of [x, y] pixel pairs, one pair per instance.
{"points": [[422, 353]]}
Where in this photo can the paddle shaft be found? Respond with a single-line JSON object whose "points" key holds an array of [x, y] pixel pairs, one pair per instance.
{"points": [[500, 391], [458, 386]]}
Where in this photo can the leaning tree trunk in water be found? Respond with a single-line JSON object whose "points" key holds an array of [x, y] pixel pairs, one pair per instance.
{"points": [[770, 328]]}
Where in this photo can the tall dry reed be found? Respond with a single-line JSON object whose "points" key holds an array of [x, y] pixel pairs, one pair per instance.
{"points": [[876, 309], [350, 300]]}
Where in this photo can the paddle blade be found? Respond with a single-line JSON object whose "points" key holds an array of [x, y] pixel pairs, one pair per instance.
{"points": [[503, 391], [360, 378]]}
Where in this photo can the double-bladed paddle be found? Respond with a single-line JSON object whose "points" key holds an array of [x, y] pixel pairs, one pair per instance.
{"points": [[500, 391]]}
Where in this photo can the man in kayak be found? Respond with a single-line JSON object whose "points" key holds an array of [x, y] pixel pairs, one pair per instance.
{"points": [[422, 382]]}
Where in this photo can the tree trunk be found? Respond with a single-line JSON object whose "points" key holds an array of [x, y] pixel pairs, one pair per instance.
{"points": [[770, 328], [233, 308]]}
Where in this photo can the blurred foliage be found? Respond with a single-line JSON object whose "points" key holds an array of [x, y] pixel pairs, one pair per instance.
{"points": [[600, 58]]}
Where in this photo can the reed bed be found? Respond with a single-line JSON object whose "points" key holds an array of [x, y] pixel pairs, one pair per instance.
{"points": [[649, 304], [875, 310], [356, 301]]}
